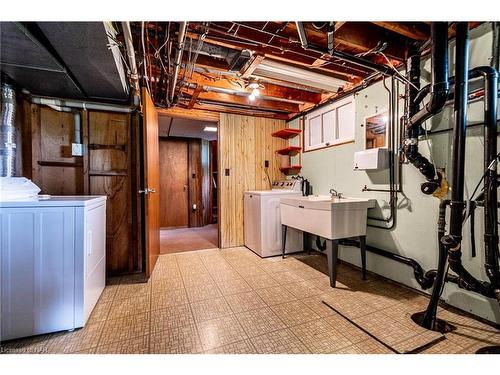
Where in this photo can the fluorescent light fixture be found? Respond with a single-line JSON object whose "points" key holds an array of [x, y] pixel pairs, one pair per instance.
{"points": [[210, 129], [284, 72]]}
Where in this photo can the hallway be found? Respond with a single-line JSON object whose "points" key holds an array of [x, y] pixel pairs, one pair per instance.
{"points": [[188, 239]]}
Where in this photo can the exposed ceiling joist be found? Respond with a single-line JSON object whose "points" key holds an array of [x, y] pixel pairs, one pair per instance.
{"points": [[292, 55], [194, 97], [269, 89], [358, 36], [407, 29], [245, 101], [194, 114], [249, 69], [216, 108]]}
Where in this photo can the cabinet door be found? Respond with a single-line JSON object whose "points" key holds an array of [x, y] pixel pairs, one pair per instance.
{"points": [[313, 132], [37, 252], [346, 121], [329, 124]]}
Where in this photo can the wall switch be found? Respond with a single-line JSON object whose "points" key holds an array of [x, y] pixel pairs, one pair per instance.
{"points": [[76, 149], [266, 163]]}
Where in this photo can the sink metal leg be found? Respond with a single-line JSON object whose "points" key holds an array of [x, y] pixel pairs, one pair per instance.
{"points": [[332, 254], [283, 240], [362, 247], [305, 243]]}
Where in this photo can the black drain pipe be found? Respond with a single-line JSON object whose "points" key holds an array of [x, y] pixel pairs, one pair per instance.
{"points": [[439, 92], [429, 319], [453, 240], [424, 279], [490, 76], [439, 88]]}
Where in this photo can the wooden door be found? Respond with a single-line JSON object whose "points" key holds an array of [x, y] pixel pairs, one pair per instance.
{"points": [[174, 183], [151, 182], [109, 174]]}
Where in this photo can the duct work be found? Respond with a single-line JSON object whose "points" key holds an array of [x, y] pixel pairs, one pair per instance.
{"points": [[8, 132]]}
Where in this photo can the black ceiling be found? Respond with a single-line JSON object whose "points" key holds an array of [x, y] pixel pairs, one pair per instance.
{"points": [[62, 59]]}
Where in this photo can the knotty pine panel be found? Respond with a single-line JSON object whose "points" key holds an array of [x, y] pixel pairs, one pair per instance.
{"points": [[245, 142]]}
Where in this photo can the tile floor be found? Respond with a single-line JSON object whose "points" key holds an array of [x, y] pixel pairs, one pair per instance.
{"points": [[232, 301]]}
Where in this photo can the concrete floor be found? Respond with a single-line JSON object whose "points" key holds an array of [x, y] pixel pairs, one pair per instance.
{"points": [[232, 301], [188, 239]]}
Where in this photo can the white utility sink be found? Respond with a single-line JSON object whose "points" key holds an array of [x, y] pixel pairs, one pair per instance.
{"points": [[331, 218]]}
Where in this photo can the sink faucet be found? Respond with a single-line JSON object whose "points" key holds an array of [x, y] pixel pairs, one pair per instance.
{"points": [[335, 194]]}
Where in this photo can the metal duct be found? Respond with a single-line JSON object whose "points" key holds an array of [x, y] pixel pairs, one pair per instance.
{"points": [[8, 132]]}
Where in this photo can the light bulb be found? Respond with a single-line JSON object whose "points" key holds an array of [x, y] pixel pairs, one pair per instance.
{"points": [[251, 97], [255, 92]]}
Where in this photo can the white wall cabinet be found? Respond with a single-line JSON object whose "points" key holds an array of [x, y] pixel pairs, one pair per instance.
{"points": [[52, 263], [330, 125]]}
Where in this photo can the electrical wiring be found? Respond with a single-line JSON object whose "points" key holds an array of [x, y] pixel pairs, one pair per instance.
{"points": [[146, 78], [395, 70]]}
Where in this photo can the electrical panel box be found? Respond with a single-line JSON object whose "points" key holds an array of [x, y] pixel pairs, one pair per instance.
{"points": [[371, 159]]}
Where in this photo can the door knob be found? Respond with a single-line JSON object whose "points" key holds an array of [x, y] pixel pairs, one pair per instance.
{"points": [[146, 191]]}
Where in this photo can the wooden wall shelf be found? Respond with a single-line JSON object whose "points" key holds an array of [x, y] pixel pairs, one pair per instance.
{"points": [[286, 133], [291, 170], [96, 146], [69, 164], [290, 151], [109, 173]]}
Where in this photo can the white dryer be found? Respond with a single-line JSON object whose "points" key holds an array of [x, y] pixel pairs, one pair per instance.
{"points": [[262, 221]]}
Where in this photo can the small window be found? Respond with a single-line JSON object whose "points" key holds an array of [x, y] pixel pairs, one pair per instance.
{"points": [[330, 125]]}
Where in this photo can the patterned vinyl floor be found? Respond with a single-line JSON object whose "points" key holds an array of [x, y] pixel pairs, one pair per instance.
{"points": [[232, 301]]}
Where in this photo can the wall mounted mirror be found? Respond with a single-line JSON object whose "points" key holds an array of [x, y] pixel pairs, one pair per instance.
{"points": [[376, 130]]}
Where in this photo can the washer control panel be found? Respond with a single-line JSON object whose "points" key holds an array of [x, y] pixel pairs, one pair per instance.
{"points": [[286, 185]]}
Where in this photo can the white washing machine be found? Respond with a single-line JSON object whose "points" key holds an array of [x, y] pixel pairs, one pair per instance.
{"points": [[262, 221]]}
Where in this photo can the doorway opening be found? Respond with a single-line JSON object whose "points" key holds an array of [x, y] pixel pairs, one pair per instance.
{"points": [[188, 185]]}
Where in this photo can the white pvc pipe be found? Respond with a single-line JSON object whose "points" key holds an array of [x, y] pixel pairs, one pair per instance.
{"points": [[53, 102], [127, 33]]}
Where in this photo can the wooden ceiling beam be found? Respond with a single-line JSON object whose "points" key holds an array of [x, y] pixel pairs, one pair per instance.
{"points": [[358, 36], [245, 101], [194, 97], [249, 69], [271, 90], [246, 112], [412, 30], [291, 54], [191, 114]]}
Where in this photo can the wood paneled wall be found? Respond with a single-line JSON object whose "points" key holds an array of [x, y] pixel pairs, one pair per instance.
{"points": [[106, 168], [47, 159], [244, 144]]}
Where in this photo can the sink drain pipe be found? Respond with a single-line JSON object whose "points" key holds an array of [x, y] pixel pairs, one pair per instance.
{"points": [[424, 279]]}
